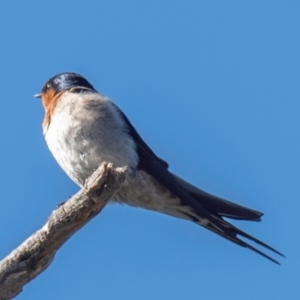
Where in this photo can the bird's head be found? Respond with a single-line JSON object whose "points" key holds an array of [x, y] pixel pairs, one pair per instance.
{"points": [[60, 83]]}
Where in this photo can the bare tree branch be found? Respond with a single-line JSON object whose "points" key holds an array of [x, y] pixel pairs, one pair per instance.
{"points": [[35, 254]]}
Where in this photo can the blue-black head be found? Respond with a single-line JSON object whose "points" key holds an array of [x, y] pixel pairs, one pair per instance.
{"points": [[66, 81]]}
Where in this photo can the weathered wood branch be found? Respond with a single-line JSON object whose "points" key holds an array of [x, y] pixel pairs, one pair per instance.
{"points": [[35, 254]]}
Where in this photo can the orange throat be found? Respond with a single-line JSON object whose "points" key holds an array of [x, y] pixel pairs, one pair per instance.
{"points": [[49, 99]]}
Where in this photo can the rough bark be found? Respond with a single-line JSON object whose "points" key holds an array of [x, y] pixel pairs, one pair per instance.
{"points": [[35, 254]]}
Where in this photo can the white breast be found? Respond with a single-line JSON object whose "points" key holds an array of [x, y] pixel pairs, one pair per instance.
{"points": [[84, 131]]}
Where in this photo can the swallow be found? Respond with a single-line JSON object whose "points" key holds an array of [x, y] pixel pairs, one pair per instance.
{"points": [[84, 128]]}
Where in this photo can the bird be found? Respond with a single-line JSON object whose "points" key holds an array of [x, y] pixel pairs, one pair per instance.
{"points": [[84, 128]]}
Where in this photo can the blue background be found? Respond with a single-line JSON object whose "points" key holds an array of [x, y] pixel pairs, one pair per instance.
{"points": [[213, 88]]}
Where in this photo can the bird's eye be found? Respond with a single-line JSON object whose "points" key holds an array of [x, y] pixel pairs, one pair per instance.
{"points": [[48, 85]]}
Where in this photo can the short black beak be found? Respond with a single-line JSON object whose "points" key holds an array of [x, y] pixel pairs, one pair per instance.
{"points": [[38, 96]]}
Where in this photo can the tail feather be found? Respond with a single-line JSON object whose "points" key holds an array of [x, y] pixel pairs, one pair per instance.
{"points": [[219, 208], [250, 237], [205, 209], [231, 233]]}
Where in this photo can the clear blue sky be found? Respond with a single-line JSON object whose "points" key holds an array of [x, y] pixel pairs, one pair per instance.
{"points": [[213, 88]]}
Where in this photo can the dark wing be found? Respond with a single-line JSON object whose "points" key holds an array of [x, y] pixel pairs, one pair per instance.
{"points": [[218, 205], [210, 209]]}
